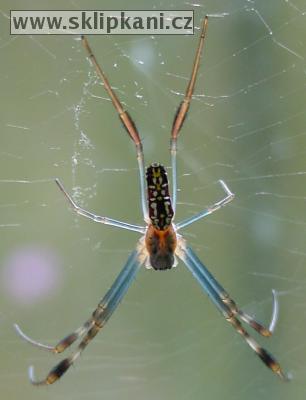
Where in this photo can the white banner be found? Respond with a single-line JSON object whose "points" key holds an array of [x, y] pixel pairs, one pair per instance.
{"points": [[97, 22]]}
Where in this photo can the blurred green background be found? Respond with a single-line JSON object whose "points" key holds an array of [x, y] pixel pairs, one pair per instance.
{"points": [[246, 126]]}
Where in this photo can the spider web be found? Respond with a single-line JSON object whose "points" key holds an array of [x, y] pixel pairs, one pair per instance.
{"points": [[246, 126]]}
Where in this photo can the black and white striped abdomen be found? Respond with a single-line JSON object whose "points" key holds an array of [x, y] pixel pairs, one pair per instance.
{"points": [[159, 202]]}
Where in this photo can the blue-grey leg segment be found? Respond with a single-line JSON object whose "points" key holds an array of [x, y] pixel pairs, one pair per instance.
{"points": [[214, 289], [197, 263], [209, 210], [198, 271], [92, 326], [119, 288], [229, 310], [98, 218], [142, 179]]}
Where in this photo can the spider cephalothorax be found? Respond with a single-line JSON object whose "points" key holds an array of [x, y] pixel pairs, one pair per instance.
{"points": [[161, 247]]}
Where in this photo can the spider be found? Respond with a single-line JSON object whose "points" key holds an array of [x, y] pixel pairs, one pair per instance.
{"points": [[160, 244]]}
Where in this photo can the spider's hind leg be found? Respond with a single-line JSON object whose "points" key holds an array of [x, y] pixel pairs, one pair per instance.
{"points": [[128, 123]]}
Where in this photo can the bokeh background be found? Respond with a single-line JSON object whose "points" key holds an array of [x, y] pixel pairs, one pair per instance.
{"points": [[246, 125]]}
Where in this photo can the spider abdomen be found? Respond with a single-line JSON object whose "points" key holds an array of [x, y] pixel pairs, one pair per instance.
{"points": [[159, 202], [160, 237]]}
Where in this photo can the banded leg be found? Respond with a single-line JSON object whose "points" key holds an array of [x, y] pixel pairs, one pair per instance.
{"points": [[230, 314], [128, 123], [183, 109], [222, 294], [209, 210], [91, 327], [98, 218]]}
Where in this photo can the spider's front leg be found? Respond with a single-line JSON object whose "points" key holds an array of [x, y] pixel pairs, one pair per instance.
{"points": [[92, 326], [223, 295], [229, 309]]}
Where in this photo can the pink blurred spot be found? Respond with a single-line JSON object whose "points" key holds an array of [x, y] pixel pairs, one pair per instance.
{"points": [[30, 274]]}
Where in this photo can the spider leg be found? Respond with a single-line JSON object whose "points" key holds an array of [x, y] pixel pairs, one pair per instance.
{"points": [[226, 299], [128, 123], [98, 218], [228, 308], [60, 346], [209, 210], [183, 109], [92, 326]]}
